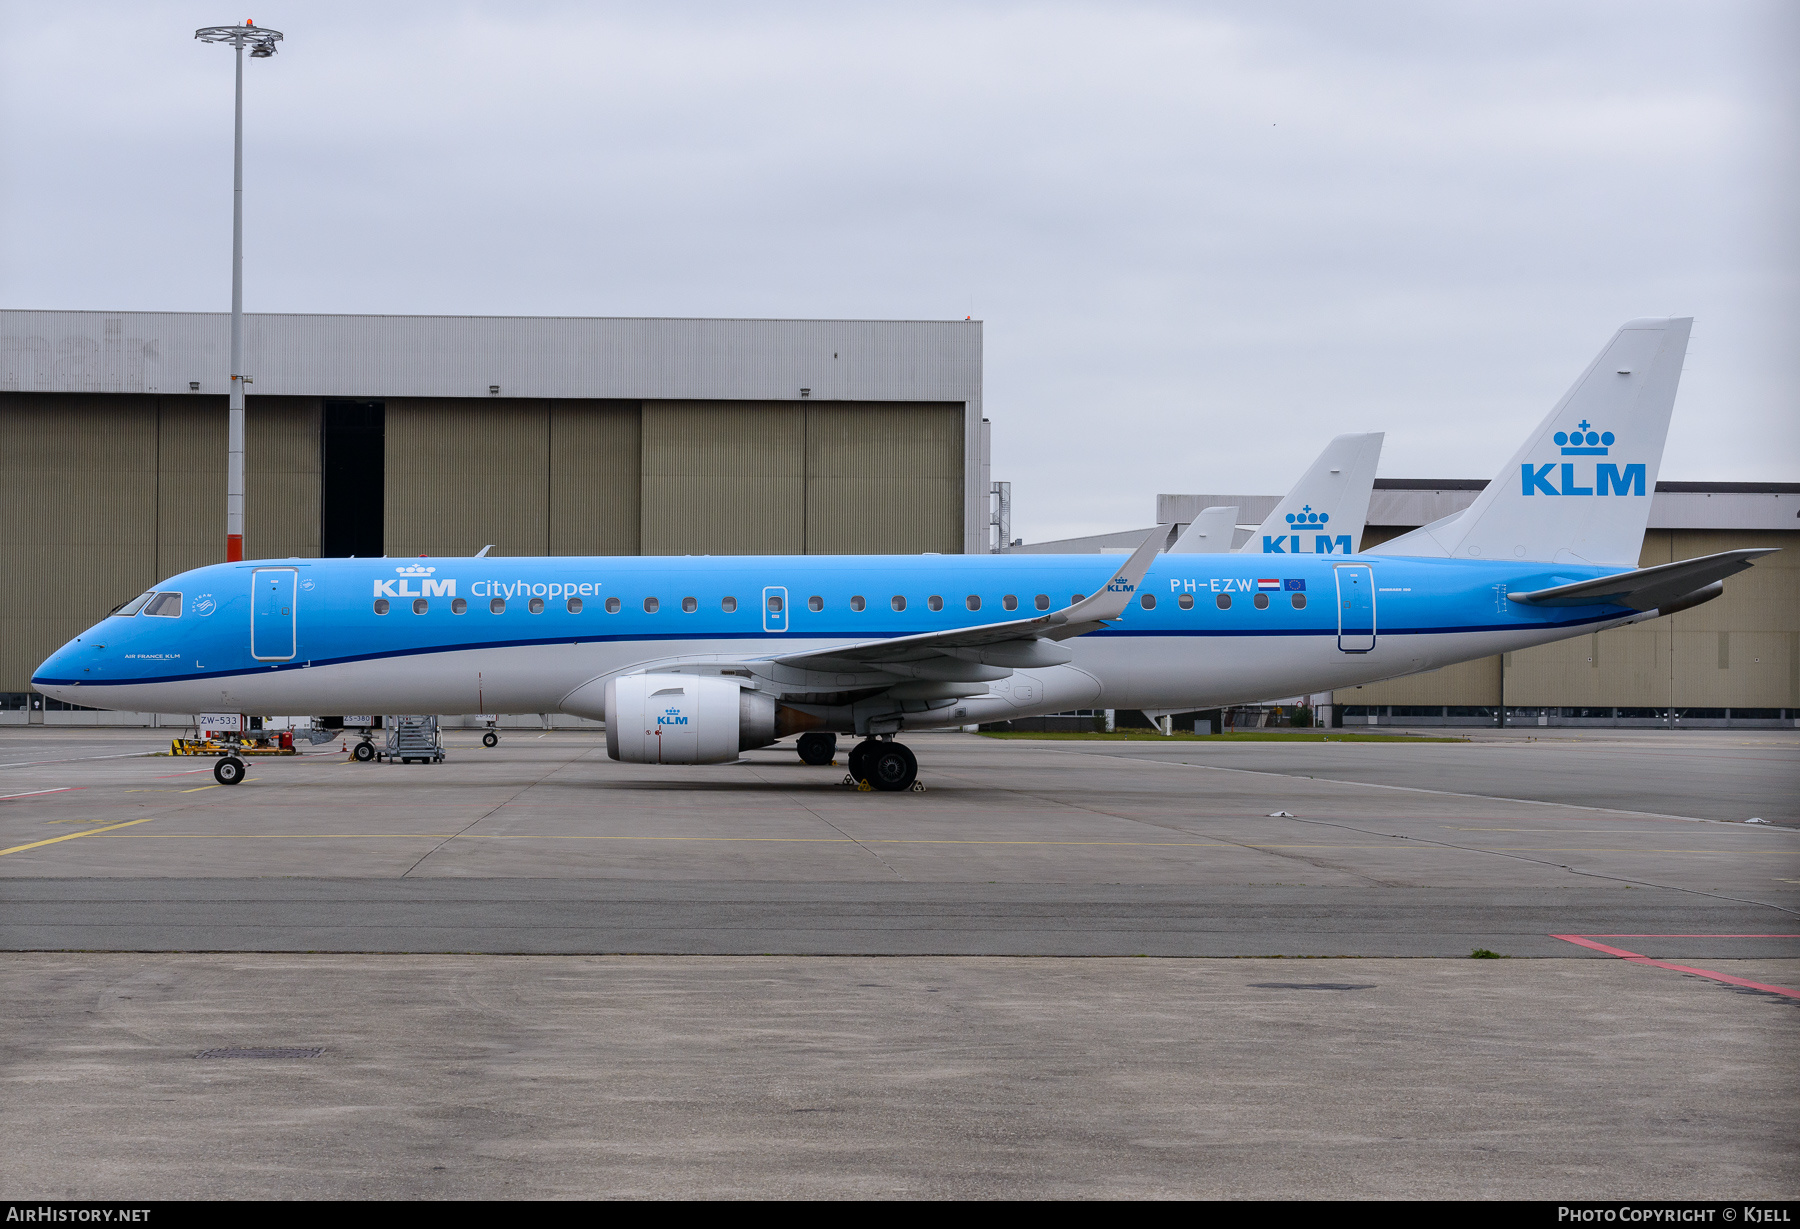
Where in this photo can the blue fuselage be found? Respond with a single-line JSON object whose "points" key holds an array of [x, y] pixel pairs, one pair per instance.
{"points": [[517, 634]]}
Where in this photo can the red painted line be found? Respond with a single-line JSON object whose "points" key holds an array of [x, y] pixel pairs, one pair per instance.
{"points": [[1636, 958], [35, 792], [1689, 936]]}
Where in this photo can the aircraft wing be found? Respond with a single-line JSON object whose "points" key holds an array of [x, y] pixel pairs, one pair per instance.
{"points": [[1018, 634], [1646, 588]]}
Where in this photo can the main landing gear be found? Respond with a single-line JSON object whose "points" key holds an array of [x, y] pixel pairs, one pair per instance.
{"points": [[816, 748], [884, 764]]}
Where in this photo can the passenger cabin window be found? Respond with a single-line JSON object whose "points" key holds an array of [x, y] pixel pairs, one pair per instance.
{"points": [[1299, 600], [857, 603], [1010, 602], [165, 606], [1260, 601], [815, 603], [535, 605], [420, 605], [612, 605], [1042, 601], [574, 605], [728, 605], [898, 603], [1077, 598], [972, 602], [1147, 601], [497, 606], [459, 606], [381, 605], [651, 605], [1185, 601], [934, 602], [1223, 601], [689, 605], [135, 604]]}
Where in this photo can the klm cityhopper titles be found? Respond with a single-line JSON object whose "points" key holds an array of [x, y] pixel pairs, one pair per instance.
{"points": [[693, 660]]}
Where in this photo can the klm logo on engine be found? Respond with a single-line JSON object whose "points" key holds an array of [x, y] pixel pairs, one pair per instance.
{"points": [[1306, 520], [403, 587], [1606, 479], [671, 716]]}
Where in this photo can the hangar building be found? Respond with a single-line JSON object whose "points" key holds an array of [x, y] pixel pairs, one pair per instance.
{"points": [[406, 435]]}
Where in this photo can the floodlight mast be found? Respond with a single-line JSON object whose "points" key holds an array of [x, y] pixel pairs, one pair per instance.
{"points": [[261, 43]]}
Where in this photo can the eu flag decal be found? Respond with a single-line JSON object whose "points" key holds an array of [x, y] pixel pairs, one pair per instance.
{"points": [[1294, 586]]}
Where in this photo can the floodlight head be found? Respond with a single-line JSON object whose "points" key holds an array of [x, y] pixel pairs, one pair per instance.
{"points": [[259, 40]]}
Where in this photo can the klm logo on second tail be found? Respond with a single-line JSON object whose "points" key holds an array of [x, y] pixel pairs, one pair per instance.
{"points": [[1306, 519], [1607, 479]]}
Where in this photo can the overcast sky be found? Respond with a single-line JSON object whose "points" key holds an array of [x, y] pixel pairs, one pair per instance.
{"points": [[1203, 238]]}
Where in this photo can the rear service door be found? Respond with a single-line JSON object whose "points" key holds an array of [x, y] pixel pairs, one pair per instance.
{"points": [[775, 614], [272, 616], [1356, 608]]}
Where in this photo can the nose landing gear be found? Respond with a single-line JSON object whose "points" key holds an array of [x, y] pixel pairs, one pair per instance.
{"points": [[229, 770], [363, 752], [490, 739]]}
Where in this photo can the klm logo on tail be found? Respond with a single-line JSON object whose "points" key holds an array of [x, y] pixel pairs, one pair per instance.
{"points": [[1608, 479], [1306, 519]]}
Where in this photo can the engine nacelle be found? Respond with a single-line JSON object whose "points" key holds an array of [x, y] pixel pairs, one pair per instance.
{"points": [[684, 719]]}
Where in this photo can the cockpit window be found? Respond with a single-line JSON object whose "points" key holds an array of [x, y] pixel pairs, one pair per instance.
{"points": [[134, 605], [165, 606]]}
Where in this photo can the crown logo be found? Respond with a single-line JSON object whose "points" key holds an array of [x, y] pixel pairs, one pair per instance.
{"points": [[1306, 518], [415, 570], [1583, 442]]}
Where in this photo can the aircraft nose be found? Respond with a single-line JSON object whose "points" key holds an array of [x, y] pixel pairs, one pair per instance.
{"points": [[60, 671]]}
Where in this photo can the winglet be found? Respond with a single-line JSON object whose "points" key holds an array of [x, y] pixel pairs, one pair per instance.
{"points": [[482, 553], [1111, 601]]}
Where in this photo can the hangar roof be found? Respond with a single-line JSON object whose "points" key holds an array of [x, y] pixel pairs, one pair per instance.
{"points": [[465, 356]]}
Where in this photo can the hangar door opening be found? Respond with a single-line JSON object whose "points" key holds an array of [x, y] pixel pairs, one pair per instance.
{"points": [[353, 476]]}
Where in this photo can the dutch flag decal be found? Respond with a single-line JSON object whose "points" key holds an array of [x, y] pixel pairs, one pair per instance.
{"points": [[1269, 586]]}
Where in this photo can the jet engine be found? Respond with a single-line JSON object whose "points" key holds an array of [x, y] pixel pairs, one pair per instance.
{"points": [[684, 719]]}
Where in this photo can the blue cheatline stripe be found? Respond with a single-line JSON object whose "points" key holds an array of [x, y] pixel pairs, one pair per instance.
{"points": [[788, 638]]}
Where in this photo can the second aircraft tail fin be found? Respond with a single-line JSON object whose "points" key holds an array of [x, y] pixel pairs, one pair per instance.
{"points": [[1325, 512]]}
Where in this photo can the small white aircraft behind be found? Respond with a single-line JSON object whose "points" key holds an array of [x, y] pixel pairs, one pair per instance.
{"points": [[1322, 515]]}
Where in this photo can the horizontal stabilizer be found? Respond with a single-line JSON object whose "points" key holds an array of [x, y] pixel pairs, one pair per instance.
{"points": [[1646, 588]]}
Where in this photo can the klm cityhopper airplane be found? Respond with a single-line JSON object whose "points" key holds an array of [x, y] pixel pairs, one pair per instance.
{"points": [[693, 660]]}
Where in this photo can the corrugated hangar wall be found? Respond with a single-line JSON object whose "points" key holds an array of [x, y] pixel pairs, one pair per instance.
{"points": [[1741, 650], [103, 495]]}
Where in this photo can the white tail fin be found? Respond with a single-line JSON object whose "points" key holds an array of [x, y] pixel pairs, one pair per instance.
{"points": [[1579, 490], [1324, 513], [1210, 534]]}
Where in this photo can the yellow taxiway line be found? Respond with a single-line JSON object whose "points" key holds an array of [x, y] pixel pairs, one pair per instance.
{"points": [[72, 836]]}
